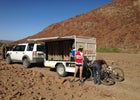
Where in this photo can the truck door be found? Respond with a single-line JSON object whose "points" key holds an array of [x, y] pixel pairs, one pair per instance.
{"points": [[18, 52]]}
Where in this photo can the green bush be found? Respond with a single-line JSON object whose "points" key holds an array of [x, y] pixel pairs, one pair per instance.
{"points": [[113, 50]]}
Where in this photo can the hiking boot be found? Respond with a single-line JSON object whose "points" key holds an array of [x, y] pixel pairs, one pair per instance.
{"points": [[81, 81]]}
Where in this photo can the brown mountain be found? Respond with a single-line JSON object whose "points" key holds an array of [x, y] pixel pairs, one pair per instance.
{"points": [[115, 25], [6, 41]]}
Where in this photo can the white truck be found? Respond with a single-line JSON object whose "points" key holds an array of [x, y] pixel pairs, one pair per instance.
{"points": [[57, 51], [27, 53]]}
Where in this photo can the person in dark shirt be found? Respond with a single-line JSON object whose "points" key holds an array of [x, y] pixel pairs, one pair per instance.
{"points": [[97, 65], [3, 52]]}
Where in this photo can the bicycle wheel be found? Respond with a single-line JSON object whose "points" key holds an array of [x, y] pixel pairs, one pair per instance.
{"points": [[88, 74], [117, 74], [106, 79]]}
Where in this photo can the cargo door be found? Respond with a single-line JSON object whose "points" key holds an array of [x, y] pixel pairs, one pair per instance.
{"points": [[89, 45]]}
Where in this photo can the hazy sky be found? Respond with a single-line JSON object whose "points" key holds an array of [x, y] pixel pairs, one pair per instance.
{"points": [[22, 18]]}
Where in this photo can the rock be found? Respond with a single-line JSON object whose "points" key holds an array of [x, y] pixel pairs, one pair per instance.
{"points": [[38, 74], [67, 84], [59, 80], [2, 68], [63, 81], [45, 80], [42, 98]]}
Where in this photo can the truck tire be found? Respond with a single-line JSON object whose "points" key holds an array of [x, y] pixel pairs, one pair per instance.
{"points": [[26, 63], [8, 60], [60, 69]]}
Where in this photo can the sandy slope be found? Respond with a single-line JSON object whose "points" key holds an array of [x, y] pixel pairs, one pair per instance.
{"points": [[17, 83]]}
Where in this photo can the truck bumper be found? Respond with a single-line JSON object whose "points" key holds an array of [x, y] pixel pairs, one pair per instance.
{"points": [[37, 60]]}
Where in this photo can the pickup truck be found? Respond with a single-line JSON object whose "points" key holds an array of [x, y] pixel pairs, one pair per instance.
{"points": [[58, 51], [26, 53]]}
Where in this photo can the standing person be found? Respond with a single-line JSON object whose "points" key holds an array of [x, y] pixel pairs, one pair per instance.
{"points": [[97, 65], [3, 51], [79, 57], [73, 52]]}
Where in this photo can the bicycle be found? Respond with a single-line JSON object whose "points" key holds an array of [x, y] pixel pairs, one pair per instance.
{"points": [[88, 72], [109, 75]]}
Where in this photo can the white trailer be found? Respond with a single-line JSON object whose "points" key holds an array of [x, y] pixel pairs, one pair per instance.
{"points": [[57, 51]]}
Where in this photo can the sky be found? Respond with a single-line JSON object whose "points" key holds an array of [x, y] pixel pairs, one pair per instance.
{"points": [[22, 18]]}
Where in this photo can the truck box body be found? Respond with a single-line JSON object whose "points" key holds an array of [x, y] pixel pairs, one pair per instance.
{"points": [[58, 50]]}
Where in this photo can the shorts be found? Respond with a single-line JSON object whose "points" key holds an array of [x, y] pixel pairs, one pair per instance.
{"points": [[79, 65]]}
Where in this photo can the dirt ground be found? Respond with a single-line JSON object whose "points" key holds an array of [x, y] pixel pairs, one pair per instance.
{"points": [[39, 83]]}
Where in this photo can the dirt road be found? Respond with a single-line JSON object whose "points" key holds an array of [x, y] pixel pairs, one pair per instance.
{"points": [[18, 83]]}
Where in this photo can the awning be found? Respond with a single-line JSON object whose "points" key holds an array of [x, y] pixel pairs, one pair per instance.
{"points": [[53, 38]]}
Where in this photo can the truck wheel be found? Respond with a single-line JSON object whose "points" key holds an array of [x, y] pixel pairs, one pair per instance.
{"points": [[60, 69], [8, 60], [26, 63]]}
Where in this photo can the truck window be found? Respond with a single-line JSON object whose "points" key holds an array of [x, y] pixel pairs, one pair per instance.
{"points": [[40, 48], [30, 47], [19, 48]]}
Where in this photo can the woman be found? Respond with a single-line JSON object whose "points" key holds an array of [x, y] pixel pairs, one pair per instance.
{"points": [[79, 57]]}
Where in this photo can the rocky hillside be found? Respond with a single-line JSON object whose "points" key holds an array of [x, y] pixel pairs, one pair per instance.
{"points": [[6, 41], [115, 25]]}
